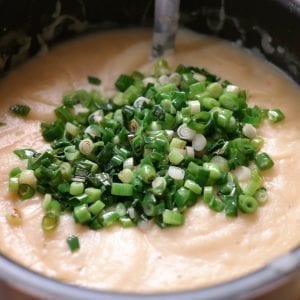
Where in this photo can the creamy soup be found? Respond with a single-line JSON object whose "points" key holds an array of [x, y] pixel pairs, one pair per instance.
{"points": [[210, 248]]}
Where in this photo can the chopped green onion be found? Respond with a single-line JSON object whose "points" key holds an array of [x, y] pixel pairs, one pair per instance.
{"points": [[93, 194], [230, 205], [149, 150], [109, 218], [121, 209], [25, 153], [82, 214], [94, 80], [249, 131], [255, 183], [172, 217], [215, 89], [52, 131], [66, 170], [194, 106], [199, 142], [13, 185], [15, 172], [86, 146], [25, 191], [20, 110], [176, 173], [159, 185], [175, 156], [261, 195], [73, 243], [209, 103], [214, 169], [207, 193], [185, 133], [193, 187], [96, 207], [126, 222], [232, 89], [177, 143], [46, 201], [50, 221], [76, 188], [182, 196], [27, 177], [122, 189], [126, 176], [275, 115], [257, 142], [123, 82], [147, 173], [247, 204], [71, 153], [263, 161], [71, 129]]}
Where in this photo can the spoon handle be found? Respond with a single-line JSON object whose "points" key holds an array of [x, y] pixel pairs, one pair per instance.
{"points": [[166, 18]]}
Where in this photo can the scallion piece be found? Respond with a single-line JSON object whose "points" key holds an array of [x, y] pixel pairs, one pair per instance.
{"points": [[126, 176], [148, 150], [109, 218], [193, 187], [25, 153], [174, 218], [76, 188], [264, 161], [182, 196], [159, 185], [247, 204], [96, 207], [175, 156], [93, 194], [25, 191], [73, 243], [86, 146], [20, 110], [13, 185], [82, 214], [261, 195], [94, 80], [275, 115], [50, 221], [123, 82], [126, 222], [147, 172], [15, 172], [122, 189]]}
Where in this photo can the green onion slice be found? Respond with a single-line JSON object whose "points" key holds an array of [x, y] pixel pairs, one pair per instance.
{"points": [[163, 142]]}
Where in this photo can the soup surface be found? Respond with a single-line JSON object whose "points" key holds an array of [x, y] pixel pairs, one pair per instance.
{"points": [[210, 248]]}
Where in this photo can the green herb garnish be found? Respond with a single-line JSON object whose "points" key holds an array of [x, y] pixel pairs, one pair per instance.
{"points": [[73, 243], [20, 110], [94, 80], [25, 153], [163, 143]]}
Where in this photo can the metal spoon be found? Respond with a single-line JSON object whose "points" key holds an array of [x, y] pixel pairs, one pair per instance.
{"points": [[166, 18]]}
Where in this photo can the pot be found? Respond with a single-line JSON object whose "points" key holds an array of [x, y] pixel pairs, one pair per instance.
{"points": [[267, 27]]}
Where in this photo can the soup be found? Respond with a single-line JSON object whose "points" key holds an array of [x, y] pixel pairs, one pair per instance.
{"points": [[209, 248]]}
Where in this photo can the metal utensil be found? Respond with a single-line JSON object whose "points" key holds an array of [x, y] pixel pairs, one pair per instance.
{"points": [[165, 26]]}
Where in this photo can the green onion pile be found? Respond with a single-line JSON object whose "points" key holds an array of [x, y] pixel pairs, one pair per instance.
{"points": [[157, 147]]}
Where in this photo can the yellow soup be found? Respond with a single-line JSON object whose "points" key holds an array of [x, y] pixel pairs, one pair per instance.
{"points": [[210, 248]]}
